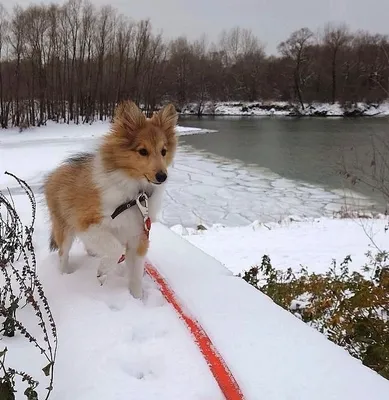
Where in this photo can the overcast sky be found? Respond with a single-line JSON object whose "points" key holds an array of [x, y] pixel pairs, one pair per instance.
{"points": [[271, 20]]}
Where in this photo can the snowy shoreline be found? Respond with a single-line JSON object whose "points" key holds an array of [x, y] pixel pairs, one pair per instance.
{"points": [[241, 247], [90, 130], [285, 109], [203, 187]]}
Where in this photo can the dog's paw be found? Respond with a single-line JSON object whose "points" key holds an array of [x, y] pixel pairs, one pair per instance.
{"points": [[136, 291], [65, 268], [67, 271], [101, 278], [105, 267], [90, 252]]}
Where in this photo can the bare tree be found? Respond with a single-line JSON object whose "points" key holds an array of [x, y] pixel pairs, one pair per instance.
{"points": [[16, 38], [4, 104], [200, 70], [154, 75], [86, 59], [140, 46], [295, 48], [71, 13], [36, 35], [335, 39], [124, 40], [181, 62], [103, 38], [237, 42]]}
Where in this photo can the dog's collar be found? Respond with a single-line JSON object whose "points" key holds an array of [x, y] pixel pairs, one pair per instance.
{"points": [[125, 206]]}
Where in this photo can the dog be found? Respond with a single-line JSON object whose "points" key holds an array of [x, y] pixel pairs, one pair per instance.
{"points": [[98, 197]]}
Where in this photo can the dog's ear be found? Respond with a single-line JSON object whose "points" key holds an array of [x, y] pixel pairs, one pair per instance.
{"points": [[130, 117], [166, 118]]}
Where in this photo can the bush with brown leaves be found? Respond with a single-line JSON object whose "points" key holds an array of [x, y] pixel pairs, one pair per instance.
{"points": [[350, 308]]}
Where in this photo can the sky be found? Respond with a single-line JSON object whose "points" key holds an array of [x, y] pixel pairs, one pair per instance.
{"points": [[270, 20]]}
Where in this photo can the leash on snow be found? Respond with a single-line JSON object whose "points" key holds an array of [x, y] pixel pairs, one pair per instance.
{"points": [[219, 369], [215, 361]]}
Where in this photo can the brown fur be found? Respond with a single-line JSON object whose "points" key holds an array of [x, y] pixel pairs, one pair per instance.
{"points": [[73, 201], [72, 198]]}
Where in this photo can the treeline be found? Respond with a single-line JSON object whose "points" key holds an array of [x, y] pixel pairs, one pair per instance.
{"points": [[74, 62]]}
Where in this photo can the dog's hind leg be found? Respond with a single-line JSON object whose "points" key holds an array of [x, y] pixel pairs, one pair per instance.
{"points": [[52, 244], [61, 239], [64, 252]]}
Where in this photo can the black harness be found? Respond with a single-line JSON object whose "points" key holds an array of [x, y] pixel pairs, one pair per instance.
{"points": [[125, 206]]}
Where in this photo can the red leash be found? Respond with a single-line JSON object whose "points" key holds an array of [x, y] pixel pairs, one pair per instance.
{"points": [[216, 364]]}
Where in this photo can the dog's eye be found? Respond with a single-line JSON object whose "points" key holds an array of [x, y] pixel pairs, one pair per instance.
{"points": [[163, 152], [143, 152]]}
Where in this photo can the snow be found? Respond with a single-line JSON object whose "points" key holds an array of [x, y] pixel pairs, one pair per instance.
{"points": [[312, 243], [183, 130], [272, 354], [113, 347], [283, 108], [45, 134]]}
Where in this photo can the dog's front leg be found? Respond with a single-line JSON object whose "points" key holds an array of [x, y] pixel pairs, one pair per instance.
{"points": [[104, 245], [135, 258]]}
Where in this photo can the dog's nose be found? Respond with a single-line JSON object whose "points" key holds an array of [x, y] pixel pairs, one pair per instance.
{"points": [[161, 176]]}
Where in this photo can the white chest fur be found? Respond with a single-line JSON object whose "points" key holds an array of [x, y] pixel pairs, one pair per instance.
{"points": [[116, 189]]}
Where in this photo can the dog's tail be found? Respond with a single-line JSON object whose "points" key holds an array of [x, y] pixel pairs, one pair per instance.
{"points": [[53, 245]]}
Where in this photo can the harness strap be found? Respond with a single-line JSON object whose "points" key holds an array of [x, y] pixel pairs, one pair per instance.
{"points": [[123, 207]]}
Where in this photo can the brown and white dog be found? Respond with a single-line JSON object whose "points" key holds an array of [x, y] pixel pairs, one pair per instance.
{"points": [[83, 193]]}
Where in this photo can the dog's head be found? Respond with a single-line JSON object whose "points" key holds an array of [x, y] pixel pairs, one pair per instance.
{"points": [[141, 147]]}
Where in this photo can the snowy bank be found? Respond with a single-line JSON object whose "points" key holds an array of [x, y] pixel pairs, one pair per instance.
{"points": [[279, 108], [72, 131], [295, 242], [183, 131], [272, 354]]}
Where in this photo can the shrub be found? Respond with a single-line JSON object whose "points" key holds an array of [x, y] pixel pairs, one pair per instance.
{"points": [[350, 308], [21, 289]]}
